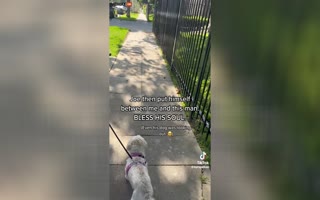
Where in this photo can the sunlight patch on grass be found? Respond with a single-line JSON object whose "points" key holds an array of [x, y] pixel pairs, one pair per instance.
{"points": [[133, 17], [117, 37]]}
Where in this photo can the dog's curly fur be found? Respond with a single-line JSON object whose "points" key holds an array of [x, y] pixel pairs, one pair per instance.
{"points": [[138, 175]]}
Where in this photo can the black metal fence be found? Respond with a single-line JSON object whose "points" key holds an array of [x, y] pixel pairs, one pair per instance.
{"points": [[182, 28]]}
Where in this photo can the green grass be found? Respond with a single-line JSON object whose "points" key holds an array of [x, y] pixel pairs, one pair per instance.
{"points": [[117, 36], [151, 17], [196, 18], [204, 179], [133, 17]]}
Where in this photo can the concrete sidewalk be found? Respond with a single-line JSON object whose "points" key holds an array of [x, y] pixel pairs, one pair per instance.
{"points": [[142, 17], [141, 71]]}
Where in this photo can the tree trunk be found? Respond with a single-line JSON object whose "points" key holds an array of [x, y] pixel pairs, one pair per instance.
{"points": [[128, 12], [148, 11]]}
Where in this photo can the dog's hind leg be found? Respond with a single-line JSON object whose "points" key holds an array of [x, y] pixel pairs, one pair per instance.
{"points": [[137, 195]]}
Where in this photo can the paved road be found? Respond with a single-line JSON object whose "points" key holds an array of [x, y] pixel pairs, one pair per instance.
{"points": [[135, 26], [141, 71]]}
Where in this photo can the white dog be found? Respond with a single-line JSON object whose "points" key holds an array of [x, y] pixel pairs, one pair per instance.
{"points": [[136, 171]]}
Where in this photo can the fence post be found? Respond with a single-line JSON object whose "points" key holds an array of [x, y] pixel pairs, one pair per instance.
{"points": [[206, 56], [175, 36], [181, 27]]}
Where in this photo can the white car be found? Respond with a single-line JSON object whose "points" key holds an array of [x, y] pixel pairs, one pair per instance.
{"points": [[120, 9]]}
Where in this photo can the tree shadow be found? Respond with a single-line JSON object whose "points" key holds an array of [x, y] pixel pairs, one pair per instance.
{"points": [[140, 77]]}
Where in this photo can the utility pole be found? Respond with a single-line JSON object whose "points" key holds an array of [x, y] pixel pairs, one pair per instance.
{"points": [[128, 5]]}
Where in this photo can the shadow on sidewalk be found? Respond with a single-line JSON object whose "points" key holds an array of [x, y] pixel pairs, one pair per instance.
{"points": [[141, 71]]}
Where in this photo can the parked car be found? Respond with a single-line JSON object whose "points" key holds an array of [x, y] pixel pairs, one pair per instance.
{"points": [[120, 9], [111, 11]]}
